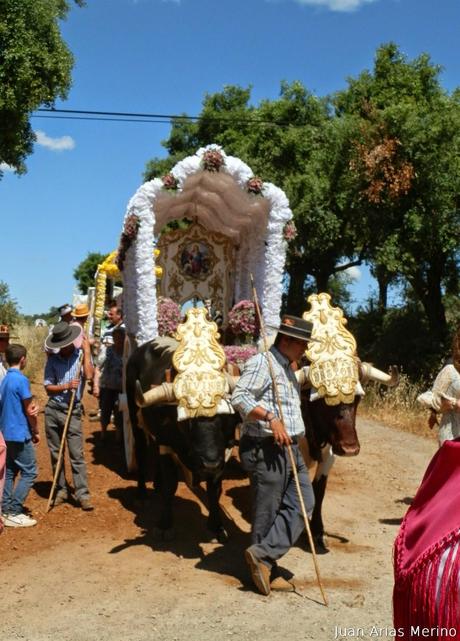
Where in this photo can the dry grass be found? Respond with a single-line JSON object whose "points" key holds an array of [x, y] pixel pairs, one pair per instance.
{"points": [[33, 339], [397, 407]]}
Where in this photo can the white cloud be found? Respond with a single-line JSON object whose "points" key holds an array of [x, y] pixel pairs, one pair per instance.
{"points": [[65, 143], [5, 167], [336, 5], [353, 272]]}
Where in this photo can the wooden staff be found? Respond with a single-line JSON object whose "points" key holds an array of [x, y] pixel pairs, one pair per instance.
{"points": [[64, 434], [289, 449]]}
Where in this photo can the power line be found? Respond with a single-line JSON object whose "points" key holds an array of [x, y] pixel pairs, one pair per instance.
{"points": [[100, 119], [117, 116]]}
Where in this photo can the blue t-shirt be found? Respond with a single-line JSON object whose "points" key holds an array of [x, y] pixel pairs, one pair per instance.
{"points": [[14, 389]]}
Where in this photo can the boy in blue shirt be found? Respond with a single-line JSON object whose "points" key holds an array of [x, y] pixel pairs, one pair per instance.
{"points": [[18, 423]]}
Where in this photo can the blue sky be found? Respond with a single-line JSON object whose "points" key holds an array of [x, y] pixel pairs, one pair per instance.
{"points": [[162, 56]]}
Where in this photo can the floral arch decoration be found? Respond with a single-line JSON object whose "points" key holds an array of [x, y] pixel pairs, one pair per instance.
{"points": [[222, 194]]}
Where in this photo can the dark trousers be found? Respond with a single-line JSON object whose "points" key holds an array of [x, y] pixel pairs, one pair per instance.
{"points": [[108, 403], [55, 417], [277, 520]]}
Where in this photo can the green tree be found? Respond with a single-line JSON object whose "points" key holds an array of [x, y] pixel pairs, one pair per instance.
{"points": [[225, 119], [308, 157], [295, 143], [9, 313], [407, 165], [35, 69], [85, 272]]}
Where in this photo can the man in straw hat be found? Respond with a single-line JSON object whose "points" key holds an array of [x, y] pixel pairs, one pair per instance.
{"points": [[277, 519], [80, 315], [64, 372]]}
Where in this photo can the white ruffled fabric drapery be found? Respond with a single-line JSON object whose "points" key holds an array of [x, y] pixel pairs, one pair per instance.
{"points": [[220, 202]]}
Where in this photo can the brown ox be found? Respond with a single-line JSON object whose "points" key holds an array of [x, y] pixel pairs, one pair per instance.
{"points": [[331, 431]]}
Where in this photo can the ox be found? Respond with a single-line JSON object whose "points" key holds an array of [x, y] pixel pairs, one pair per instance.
{"points": [[199, 445], [331, 431]]}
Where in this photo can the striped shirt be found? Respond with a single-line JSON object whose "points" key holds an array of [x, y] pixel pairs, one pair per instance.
{"points": [[59, 371], [255, 388]]}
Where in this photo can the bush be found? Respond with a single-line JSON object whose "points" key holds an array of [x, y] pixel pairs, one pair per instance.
{"points": [[399, 337]]}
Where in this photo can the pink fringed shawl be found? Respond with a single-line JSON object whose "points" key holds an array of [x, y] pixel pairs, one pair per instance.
{"points": [[426, 553]]}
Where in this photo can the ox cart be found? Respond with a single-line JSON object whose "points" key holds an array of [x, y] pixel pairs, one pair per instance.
{"points": [[235, 225], [213, 228]]}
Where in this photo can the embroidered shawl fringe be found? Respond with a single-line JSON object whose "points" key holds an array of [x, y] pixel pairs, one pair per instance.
{"points": [[427, 595]]}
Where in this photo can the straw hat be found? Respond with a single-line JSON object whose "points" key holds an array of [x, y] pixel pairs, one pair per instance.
{"points": [[80, 311]]}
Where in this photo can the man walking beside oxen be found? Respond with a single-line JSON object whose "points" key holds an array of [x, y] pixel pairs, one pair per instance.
{"points": [[277, 519], [66, 372]]}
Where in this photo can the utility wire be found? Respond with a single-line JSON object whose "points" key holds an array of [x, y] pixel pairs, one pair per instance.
{"points": [[151, 118], [100, 119]]}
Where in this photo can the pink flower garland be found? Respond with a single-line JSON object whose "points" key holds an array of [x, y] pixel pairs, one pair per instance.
{"points": [[129, 233], [212, 160], [169, 182], [168, 316], [290, 231], [242, 319], [239, 354], [255, 185]]}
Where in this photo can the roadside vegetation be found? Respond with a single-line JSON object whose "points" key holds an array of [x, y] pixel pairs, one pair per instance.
{"points": [[397, 407]]}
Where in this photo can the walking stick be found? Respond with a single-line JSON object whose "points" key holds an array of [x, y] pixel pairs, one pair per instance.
{"points": [[57, 471], [289, 449]]}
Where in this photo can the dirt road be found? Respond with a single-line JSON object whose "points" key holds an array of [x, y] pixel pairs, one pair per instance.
{"points": [[101, 576]]}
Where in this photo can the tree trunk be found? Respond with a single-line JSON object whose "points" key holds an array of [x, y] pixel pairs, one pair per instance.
{"points": [[383, 280], [296, 303], [428, 289], [322, 281]]}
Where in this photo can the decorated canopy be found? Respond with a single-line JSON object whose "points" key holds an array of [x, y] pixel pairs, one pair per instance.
{"points": [[222, 195]]}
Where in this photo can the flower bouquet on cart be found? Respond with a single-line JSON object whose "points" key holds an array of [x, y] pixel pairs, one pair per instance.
{"points": [[242, 321]]}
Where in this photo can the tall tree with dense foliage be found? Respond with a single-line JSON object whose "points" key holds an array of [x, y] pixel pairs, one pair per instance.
{"points": [[85, 272], [35, 69], [293, 142], [407, 163], [306, 153]]}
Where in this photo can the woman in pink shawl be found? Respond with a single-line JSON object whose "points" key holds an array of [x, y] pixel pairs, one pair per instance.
{"points": [[426, 554]]}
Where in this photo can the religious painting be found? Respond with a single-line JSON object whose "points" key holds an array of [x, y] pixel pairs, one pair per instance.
{"points": [[195, 259], [198, 264]]}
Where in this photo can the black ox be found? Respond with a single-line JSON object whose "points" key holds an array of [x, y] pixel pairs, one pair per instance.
{"points": [[199, 445]]}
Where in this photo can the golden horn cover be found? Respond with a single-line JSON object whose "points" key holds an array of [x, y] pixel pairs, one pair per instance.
{"points": [[200, 384], [334, 366]]}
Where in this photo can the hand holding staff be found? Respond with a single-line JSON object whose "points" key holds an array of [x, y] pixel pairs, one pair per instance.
{"points": [[282, 438]]}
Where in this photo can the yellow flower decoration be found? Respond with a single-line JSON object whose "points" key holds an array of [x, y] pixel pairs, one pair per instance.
{"points": [[108, 269]]}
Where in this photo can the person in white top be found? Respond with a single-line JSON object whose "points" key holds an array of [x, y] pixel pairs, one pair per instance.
{"points": [[446, 394]]}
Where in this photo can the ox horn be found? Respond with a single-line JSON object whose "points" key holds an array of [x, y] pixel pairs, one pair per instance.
{"points": [[370, 373], [163, 393], [302, 377]]}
